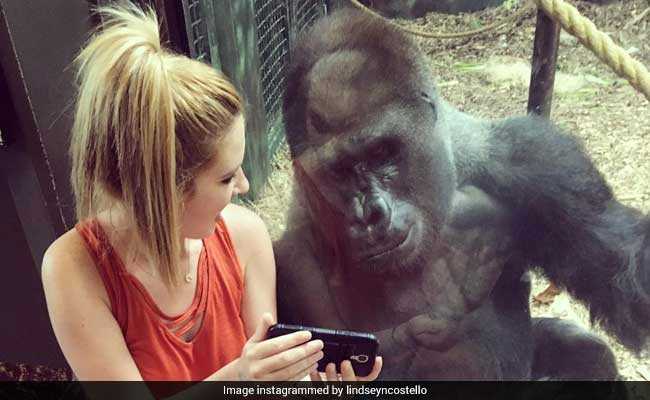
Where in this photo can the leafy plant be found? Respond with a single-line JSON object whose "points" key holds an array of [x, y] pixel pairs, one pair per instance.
{"points": [[510, 4]]}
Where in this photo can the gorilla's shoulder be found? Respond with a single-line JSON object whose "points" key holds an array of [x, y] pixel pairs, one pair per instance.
{"points": [[532, 161], [521, 138]]}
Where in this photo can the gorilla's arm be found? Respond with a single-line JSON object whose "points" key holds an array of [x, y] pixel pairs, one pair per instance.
{"points": [[571, 225]]}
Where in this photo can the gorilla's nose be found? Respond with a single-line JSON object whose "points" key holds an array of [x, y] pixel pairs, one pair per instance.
{"points": [[376, 211], [371, 219]]}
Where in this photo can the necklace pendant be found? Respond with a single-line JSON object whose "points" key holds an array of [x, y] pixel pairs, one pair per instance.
{"points": [[188, 278]]}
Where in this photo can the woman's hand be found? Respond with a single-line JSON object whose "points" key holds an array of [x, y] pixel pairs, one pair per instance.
{"points": [[284, 358], [347, 372]]}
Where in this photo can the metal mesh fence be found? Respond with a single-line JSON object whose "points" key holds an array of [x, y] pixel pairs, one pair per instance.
{"points": [[272, 20], [278, 22], [306, 12], [196, 30]]}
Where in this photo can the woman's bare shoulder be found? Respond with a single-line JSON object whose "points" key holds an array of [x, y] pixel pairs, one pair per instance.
{"points": [[69, 267], [241, 218], [247, 230], [81, 315]]}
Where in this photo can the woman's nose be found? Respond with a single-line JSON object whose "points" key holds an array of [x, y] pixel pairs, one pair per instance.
{"points": [[242, 184]]}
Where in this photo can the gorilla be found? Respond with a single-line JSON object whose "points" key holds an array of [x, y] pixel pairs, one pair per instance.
{"points": [[419, 223]]}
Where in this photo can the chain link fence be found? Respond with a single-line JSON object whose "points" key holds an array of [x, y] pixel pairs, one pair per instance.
{"points": [[279, 24]]}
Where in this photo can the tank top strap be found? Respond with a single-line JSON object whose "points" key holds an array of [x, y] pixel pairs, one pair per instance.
{"points": [[223, 258], [224, 253], [108, 265]]}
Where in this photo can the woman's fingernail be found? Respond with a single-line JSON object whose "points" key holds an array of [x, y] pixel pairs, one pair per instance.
{"points": [[313, 347]]}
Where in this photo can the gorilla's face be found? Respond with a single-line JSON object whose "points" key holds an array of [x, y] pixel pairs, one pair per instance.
{"points": [[377, 174], [383, 182]]}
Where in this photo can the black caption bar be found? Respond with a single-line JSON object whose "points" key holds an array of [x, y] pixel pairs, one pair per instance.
{"points": [[410, 390]]}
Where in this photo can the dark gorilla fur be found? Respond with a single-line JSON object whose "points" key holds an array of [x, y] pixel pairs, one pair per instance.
{"points": [[419, 223]]}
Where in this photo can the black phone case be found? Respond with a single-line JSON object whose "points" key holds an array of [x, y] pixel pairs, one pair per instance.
{"points": [[360, 348]]}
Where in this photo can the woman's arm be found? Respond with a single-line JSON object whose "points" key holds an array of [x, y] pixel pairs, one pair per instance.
{"points": [[80, 313]]}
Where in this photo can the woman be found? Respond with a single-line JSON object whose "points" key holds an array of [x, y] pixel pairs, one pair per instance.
{"points": [[162, 278]]}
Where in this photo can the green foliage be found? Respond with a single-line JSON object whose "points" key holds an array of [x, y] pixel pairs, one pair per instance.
{"points": [[510, 4]]}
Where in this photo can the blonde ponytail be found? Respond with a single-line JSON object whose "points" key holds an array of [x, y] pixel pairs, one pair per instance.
{"points": [[146, 122]]}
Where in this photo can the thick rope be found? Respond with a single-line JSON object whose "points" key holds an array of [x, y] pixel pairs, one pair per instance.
{"points": [[599, 43], [450, 35]]}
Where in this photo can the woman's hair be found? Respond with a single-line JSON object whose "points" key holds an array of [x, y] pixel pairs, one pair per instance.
{"points": [[146, 121]]}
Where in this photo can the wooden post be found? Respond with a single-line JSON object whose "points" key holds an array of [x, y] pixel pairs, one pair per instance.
{"points": [[547, 40]]}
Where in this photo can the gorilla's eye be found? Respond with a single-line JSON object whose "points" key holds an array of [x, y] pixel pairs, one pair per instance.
{"points": [[389, 173], [384, 151], [341, 170], [380, 152]]}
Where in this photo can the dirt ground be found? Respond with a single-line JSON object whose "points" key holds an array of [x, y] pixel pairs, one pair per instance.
{"points": [[488, 75]]}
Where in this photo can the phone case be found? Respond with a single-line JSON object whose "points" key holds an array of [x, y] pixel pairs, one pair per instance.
{"points": [[339, 345]]}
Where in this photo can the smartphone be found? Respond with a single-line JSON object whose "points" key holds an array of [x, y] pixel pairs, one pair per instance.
{"points": [[358, 347]]}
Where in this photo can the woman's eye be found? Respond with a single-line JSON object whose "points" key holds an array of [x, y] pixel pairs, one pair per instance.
{"points": [[227, 180]]}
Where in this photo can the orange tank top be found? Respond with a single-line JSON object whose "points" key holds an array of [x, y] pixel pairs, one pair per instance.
{"points": [[155, 339]]}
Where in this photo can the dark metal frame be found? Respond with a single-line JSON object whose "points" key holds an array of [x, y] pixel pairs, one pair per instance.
{"points": [[36, 85], [196, 28]]}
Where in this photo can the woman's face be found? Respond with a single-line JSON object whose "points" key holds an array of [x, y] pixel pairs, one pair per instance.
{"points": [[215, 185]]}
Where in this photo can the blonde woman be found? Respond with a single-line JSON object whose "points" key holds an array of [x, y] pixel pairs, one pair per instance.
{"points": [[162, 278]]}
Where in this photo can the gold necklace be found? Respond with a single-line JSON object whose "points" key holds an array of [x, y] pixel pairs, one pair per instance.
{"points": [[188, 275]]}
